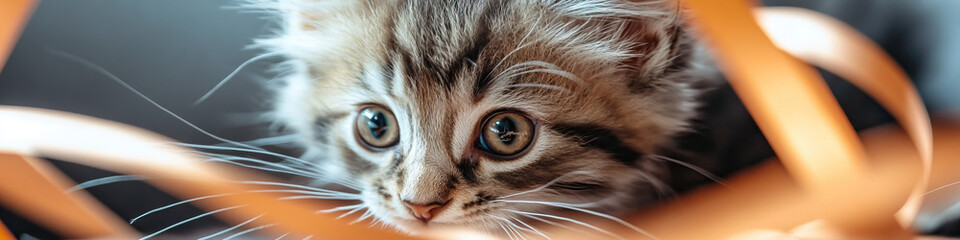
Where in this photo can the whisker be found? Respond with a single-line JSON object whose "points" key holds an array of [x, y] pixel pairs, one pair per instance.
{"points": [[188, 220], [941, 188], [249, 231], [551, 182], [341, 208], [214, 156], [695, 168], [555, 224], [177, 204], [309, 193], [293, 186], [509, 234], [520, 45], [124, 84], [258, 167], [537, 85], [281, 236], [515, 226], [234, 73], [561, 73], [595, 228], [319, 197], [663, 190], [273, 140], [305, 163], [531, 228], [229, 229], [351, 212], [168, 206], [104, 181], [366, 214], [595, 213]]}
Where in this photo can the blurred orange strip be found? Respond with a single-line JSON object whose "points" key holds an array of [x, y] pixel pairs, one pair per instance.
{"points": [[5, 233], [840, 49], [125, 149], [801, 118], [13, 16], [36, 191]]}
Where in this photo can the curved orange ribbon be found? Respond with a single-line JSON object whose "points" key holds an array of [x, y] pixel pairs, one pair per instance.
{"points": [[13, 15], [798, 114], [5, 233], [835, 47]]}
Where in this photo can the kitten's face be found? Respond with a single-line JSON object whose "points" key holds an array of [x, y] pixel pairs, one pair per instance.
{"points": [[465, 113]]}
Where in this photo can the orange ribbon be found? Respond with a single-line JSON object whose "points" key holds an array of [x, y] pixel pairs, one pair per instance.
{"points": [[5, 233], [13, 16]]}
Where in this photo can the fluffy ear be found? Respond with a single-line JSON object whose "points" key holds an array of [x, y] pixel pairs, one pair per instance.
{"points": [[662, 46]]}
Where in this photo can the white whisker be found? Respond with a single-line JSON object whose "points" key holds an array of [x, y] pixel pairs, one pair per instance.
{"points": [[595, 228], [351, 212], [234, 73], [551, 182], [531, 228], [229, 229], [124, 84], [552, 223], [697, 169], [104, 181], [188, 220], [537, 85], [295, 186], [319, 197], [177, 204], [341, 208], [662, 188], [305, 163], [366, 214], [509, 234], [249, 231], [520, 45], [595, 213]]}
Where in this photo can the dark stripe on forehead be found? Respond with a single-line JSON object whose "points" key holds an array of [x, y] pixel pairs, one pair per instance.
{"points": [[598, 137], [440, 50]]}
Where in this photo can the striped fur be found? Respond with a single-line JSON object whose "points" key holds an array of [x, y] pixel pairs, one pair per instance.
{"points": [[606, 81]]}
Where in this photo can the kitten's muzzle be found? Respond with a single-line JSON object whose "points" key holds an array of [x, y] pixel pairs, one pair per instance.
{"points": [[425, 212]]}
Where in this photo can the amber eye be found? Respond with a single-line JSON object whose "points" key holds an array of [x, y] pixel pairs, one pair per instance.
{"points": [[505, 134], [377, 127]]}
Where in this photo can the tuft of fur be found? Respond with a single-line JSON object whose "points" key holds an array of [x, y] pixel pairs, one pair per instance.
{"points": [[607, 81]]}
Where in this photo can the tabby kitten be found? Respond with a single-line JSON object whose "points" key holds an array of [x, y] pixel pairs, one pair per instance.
{"points": [[470, 113]]}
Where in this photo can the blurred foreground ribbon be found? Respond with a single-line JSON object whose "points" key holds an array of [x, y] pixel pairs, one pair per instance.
{"points": [[788, 99], [13, 16], [802, 120]]}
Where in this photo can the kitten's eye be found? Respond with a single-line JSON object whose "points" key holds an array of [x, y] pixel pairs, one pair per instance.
{"points": [[505, 134], [377, 127]]}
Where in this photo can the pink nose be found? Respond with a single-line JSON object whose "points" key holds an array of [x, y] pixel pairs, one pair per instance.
{"points": [[425, 212]]}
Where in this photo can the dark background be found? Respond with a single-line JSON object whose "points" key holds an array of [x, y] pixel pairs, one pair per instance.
{"points": [[176, 50]]}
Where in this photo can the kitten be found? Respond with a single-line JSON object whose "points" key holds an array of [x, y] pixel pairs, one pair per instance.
{"points": [[468, 113]]}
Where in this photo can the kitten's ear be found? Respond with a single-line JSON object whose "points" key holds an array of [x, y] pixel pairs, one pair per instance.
{"points": [[662, 45]]}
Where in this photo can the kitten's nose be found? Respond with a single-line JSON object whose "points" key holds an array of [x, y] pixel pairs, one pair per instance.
{"points": [[425, 212]]}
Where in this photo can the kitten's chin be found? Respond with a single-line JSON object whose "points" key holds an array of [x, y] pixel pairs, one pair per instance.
{"points": [[416, 227]]}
